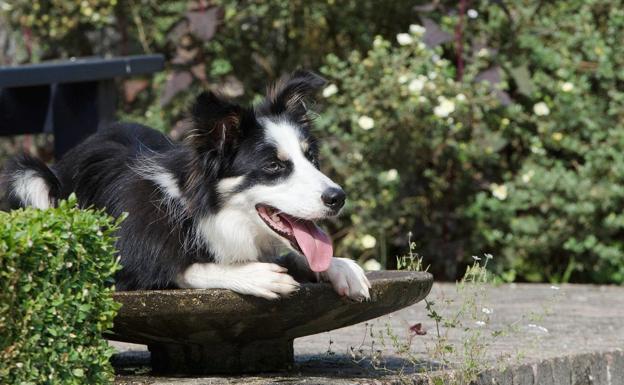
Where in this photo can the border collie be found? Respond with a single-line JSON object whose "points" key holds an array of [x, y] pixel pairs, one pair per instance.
{"points": [[215, 210]]}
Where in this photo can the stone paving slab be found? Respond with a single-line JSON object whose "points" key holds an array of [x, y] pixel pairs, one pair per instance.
{"points": [[573, 334]]}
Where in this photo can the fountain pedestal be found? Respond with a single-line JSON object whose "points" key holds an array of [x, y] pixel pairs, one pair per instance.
{"points": [[256, 356], [219, 331]]}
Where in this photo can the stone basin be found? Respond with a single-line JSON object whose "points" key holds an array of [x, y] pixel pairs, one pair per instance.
{"points": [[219, 331]]}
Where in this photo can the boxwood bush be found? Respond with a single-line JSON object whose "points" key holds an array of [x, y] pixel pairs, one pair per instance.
{"points": [[56, 271]]}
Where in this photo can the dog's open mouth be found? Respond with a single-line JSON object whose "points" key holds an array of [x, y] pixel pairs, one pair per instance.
{"points": [[304, 235]]}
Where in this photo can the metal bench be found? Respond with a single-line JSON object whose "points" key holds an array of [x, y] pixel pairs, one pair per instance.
{"points": [[71, 98]]}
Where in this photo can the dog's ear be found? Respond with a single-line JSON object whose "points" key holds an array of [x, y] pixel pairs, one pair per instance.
{"points": [[216, 123], [289, 95]]}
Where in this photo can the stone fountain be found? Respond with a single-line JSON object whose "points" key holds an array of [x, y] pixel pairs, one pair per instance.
{"points": [[219, 331]]}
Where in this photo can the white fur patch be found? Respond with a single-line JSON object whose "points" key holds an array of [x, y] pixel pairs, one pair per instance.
{"points": [[32, 190], [164, 179], [167, 183], [236, 234], [265, 280]]}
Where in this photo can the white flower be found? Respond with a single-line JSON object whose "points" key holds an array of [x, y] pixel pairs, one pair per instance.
{"points": [[366, 122], [483, 52], [357, 156], [499, 191], [403, 79], [416, 85], [527, 176], [444, 108], [391, 175], [330, 90], [404, 38], [68, 264], [488, 256], [567, 87], [372, 265], [460, 97], [480, 323], [486, 310], [476, 258], [368, 241], [417, 29], [472, 13], [541, 109]]}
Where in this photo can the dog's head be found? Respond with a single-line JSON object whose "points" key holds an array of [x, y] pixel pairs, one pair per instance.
{"points": [[269, 188]]}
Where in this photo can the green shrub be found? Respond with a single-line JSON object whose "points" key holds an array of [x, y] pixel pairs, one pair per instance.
{"points": [[412, 147], [558, 215], [56, 270], [536, 182]]}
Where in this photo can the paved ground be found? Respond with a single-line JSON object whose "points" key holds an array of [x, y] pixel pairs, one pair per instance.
{"points": [[573, 334]]}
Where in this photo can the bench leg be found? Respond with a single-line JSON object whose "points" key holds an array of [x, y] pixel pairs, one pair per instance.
{"points": [[79, 110]]}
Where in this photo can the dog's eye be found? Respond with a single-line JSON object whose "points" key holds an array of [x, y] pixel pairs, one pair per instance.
{"points": [[274, 167]]}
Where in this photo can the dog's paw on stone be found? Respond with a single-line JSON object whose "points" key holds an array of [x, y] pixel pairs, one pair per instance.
{"points": [[266, 280], [348, 279]]}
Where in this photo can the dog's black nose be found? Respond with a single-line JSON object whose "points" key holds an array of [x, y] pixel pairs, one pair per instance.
{"points": [[334, 198]]}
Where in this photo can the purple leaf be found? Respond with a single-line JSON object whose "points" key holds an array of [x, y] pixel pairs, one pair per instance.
{"points": [[417, 329], [177, 81], [203, 23], [491, 75], [429, 7], [434, 35]]}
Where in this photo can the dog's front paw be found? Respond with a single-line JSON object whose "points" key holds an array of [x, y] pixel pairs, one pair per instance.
{"points": [[347, 278], [266, 280]]}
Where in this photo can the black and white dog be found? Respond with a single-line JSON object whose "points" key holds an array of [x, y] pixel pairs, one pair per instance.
{"points": [[215, 210]]}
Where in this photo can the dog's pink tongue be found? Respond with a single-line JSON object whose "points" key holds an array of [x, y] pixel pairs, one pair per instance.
{"points": [[315, 244]]}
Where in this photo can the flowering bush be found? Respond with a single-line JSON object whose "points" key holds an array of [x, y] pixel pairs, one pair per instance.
{"points": [[561, 215], [411, 145]]}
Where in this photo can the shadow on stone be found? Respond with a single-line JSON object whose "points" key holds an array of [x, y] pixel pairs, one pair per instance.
{"points": [[137, 363]]}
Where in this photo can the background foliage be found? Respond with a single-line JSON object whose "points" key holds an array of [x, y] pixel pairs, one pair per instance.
{"points": [[498, 128], [56, 269]]}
